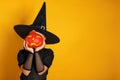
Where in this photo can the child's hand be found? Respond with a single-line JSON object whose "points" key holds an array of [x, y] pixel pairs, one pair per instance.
{"points": [[27, 48], [40, 47]]}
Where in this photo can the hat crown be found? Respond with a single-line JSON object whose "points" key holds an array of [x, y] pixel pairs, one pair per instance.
{"points": [[40, 20]]}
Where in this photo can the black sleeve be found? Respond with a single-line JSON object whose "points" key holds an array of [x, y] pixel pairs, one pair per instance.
{"points": [[48, 58], [21, 57], [38, 62], [28, 62]]}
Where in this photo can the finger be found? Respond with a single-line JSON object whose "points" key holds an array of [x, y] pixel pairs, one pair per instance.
{"points": [[41, 47], [24, 44]]}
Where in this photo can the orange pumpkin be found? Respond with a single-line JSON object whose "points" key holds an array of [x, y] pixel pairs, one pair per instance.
{"points": [[34, 40]]}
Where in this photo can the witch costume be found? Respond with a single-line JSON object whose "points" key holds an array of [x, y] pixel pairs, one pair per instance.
{"points": [[44, 56]]}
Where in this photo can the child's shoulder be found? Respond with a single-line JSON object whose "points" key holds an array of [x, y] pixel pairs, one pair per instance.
{"points": [[47, 51]]}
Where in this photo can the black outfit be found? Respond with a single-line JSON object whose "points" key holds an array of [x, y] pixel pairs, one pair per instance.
{"points": [[46, 56]]}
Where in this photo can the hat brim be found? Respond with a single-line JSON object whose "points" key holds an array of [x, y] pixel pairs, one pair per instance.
{"points": [[23, 31]]}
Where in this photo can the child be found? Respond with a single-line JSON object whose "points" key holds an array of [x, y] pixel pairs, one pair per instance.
{"points": [[35, 61]]}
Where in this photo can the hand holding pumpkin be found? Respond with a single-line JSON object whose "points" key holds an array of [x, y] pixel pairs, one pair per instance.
{"points": [[28, 48]]}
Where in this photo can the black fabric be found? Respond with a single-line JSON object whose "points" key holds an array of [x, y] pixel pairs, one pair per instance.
{"points": [[39, 64], [41, 17], [28, 63], [46, 57]]}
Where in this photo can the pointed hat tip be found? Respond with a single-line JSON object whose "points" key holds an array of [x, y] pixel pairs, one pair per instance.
{"points": [[44, 3], [40, 19]]}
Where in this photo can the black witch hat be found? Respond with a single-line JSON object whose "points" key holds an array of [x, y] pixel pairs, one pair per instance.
{"points": [[38, 25]]}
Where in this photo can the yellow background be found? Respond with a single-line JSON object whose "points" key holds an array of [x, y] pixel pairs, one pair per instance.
{"points": [[89, 31]]}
